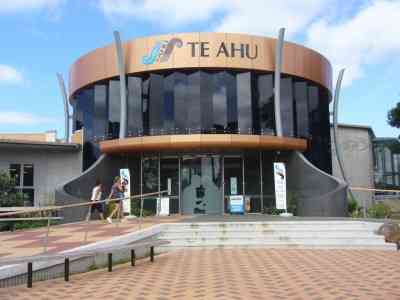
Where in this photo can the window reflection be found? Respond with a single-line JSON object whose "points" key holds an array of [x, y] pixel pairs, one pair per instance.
{"points": [[205, 101]]}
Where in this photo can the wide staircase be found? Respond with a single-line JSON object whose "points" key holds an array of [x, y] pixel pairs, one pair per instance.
{"points": [[276, 234]]}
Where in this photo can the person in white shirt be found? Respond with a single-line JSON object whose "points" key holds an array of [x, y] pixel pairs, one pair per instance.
{"points": [[96, 196]]}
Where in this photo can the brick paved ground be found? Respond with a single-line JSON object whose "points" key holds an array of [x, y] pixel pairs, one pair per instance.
{"points": [[68, 236], [235, 274]]}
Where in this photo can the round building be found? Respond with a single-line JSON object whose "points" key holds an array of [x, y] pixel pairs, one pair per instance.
{"points": [[198, 119]]}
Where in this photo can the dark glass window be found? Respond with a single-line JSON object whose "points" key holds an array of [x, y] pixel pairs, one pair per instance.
{"points": [[168, 109], [265, 107], [29, 197], [100, 112], [232, 102], [28, 175], [300, 96], [145, 106], [114, 103], [244, 102], [169, 180], [15, 173], [287, 106], [206, 98], [219, 99], [193, 103], [156, 103], [181, 105], [135, 121], [252, 180], [268, 159]]}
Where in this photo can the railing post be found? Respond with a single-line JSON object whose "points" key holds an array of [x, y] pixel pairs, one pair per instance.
{"points": [[109, 262], [66, 269], [30, 275], [46, 238], [133, 258], [152, 253]]}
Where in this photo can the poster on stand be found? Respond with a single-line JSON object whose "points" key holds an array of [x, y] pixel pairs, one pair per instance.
{"points": [[236, 204], [280, 185], [126, 184]]}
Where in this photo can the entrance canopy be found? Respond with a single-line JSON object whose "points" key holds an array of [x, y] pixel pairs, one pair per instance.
{"points": [[202, 142]]}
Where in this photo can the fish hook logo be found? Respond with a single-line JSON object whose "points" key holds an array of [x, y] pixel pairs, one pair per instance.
{"points": [[161, 51]]}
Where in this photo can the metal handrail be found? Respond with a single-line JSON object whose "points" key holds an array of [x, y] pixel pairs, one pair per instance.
{"points": [[49, 209]]}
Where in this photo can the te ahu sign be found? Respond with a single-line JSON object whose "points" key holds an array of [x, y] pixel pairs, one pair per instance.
{"points": [[162, 50]]}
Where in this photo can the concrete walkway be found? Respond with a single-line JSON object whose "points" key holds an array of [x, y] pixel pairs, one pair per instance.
{"points": [[69, 236], [235, 274]]}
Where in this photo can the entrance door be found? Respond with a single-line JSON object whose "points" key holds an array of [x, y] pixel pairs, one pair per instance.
{"points": [[233, 180], [201, 182]]}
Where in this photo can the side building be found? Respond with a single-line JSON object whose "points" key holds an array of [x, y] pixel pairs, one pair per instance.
{"points": [[39, 163]]}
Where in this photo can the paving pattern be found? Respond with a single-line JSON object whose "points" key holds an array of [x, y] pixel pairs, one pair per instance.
{"points": [[68, 236], [235, 273]]}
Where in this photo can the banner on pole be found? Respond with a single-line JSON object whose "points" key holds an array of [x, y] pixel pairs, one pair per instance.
{"points": [[126, 184], [280, 185]]}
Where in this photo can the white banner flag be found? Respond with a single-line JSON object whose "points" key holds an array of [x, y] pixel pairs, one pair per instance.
{"points": [[126, 183], [280, 185]]}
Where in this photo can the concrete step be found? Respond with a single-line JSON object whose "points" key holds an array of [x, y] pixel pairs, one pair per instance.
{"points": [[384, 247], [262, 234], [306, 234]]}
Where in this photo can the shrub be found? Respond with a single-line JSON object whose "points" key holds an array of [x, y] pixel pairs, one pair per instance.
{"points": [[352, 206], [379, 210]]}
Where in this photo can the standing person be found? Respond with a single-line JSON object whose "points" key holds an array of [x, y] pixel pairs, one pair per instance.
{"points": [[96, 196], [117, 192]]}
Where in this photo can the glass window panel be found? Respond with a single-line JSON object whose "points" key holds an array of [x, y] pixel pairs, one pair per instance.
{"points": [[169, 180], [206, 98], [156, 103], [287, 106], [266, 104], [252, 180], [300, 96], [219, 99], [145, 105], [114, 106], [150, 174], [268, 180], [29, 197], [168, 109], [232, 102], [182, 102], [233, 178], [100, 112], [28, 175], [15, 173], [135, 117], [244, 102], [193, 103]]}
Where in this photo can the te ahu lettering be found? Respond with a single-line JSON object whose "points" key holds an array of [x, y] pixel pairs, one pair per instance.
{"points": [[230, 50]]}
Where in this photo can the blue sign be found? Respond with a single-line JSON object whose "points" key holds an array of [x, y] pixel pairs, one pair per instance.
{"points": [[236, 204], [161, 51]]}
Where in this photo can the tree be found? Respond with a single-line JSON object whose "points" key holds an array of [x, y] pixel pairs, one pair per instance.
{"points": [[9, 196], [394, 116]]}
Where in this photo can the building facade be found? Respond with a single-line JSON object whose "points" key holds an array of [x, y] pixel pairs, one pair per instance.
{"points": [[38, 166], [201, 118]]}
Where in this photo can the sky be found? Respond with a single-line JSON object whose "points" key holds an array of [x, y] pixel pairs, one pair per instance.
{"points": [[42, 37]]}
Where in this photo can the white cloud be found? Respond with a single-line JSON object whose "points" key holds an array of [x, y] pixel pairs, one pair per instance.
{"points": [[352, 34], [21, 118], [166, 12], [13, 6], [371, 36], [252, 16], [10, 75]]}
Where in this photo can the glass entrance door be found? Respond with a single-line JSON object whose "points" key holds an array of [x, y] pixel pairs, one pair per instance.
{"points": [[233, 180], [201, 183]]}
